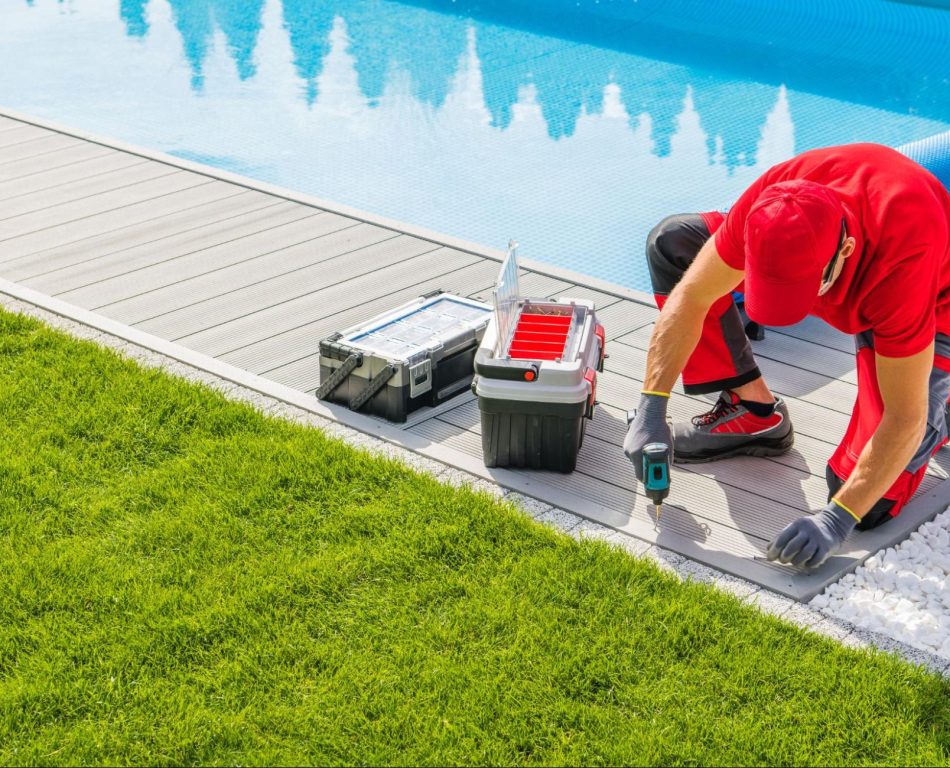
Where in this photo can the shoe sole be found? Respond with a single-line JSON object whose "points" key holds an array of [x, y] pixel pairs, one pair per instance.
{"points": [[774, 446]]}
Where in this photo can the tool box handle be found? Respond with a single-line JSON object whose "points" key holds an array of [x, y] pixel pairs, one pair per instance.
{"points": [[372, 387], [508, 370], [336, 378]]}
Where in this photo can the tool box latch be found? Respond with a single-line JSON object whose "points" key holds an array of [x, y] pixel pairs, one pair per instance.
{"points": [[420, 377], [602, 336], [590, 376]]}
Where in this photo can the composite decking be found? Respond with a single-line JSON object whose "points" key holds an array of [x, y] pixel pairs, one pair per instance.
{"points": [[253, 277]]}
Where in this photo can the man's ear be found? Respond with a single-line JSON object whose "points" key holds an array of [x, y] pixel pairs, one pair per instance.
{"points": [[848, 248]]}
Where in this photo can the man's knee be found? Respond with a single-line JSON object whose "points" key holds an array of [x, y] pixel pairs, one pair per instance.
{"points": [[671, 247], [667, 239]]}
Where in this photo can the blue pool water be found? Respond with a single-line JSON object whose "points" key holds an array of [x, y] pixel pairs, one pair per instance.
{"points": [[570, 125]]}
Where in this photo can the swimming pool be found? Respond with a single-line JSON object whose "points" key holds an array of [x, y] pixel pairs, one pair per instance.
{"points": [[570, 125]]}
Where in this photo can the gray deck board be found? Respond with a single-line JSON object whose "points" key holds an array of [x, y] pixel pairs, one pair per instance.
{"points": [[20, 135], [24, 167], [795, 487], [609, 425], [819, 333], [105, 203], [69, 268], [784, 348], [623, 496], [56, 250], [329, 260], [37, 148], [6, 124], [292, 356], [175, 195], [86, 189], [257, 279], [25, 135], [53, 180], [372, 284], [137, 296], [530, 284], [791, 381], [130, 282], [601, 300], [624, 317], [19, 128]]}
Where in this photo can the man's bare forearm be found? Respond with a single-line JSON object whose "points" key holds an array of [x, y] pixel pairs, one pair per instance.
{"points": [[904, 389], [884, 457], [680, 323]]}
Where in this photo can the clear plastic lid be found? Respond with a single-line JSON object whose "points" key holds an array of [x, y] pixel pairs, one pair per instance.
{"points": [[420, 329], [506, 297]]}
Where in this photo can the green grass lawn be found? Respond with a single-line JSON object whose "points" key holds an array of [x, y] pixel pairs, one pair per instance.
{"points": [[187, 581]]}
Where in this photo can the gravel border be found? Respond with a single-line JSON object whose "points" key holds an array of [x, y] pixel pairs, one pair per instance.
{"points": [[579, 528]]}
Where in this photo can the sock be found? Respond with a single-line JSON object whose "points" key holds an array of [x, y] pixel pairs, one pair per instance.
{"points": [[762, 410]]}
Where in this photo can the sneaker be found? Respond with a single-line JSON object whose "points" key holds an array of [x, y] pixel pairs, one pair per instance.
{"points": [[730, 429]]}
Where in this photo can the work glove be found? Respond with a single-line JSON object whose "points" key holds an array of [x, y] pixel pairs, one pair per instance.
{"points": [[647, 426], [810, 540]]}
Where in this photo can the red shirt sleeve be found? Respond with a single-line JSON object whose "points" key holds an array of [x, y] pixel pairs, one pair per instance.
{"points": [[902, 309], [902, 304], [730, 237]]}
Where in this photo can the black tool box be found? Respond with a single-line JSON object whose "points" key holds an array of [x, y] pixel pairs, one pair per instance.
{"points": [[418, 354], [536, 377]]}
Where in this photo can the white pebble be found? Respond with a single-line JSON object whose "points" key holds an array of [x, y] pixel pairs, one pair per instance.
{"points": [[902, 592]]}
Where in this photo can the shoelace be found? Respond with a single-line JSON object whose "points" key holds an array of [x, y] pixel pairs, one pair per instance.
{"points": [[720, 409]]}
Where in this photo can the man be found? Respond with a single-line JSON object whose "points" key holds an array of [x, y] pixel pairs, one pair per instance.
{"points": [[857, 235]]}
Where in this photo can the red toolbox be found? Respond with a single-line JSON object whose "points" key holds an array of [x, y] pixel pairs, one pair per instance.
{"points": [[536, 376]]}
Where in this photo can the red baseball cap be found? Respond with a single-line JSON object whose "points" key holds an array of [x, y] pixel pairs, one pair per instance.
{"points": [[791, 234]]}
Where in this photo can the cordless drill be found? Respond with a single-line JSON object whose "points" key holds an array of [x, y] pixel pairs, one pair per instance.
{"points": [[656, 473]]}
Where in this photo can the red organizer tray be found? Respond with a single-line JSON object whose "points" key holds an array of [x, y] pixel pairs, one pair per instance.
{"points": [[539, 337]]}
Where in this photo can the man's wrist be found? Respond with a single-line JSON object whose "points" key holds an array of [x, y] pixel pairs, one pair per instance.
{"points": [[652, 407], [654, 400], [842, 519], [846, 508]]}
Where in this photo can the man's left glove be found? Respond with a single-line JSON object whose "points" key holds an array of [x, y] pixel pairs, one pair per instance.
{"points": [[810, 540]]}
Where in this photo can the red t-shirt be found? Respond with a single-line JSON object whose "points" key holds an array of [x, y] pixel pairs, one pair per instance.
{"points": [[897, 282]]}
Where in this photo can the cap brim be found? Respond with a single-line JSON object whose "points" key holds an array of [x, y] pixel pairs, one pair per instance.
{"points": [[768, 303]]}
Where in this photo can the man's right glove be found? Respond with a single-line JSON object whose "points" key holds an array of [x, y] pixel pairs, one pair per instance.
{"points": [[808, 541], [647, 426]]}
